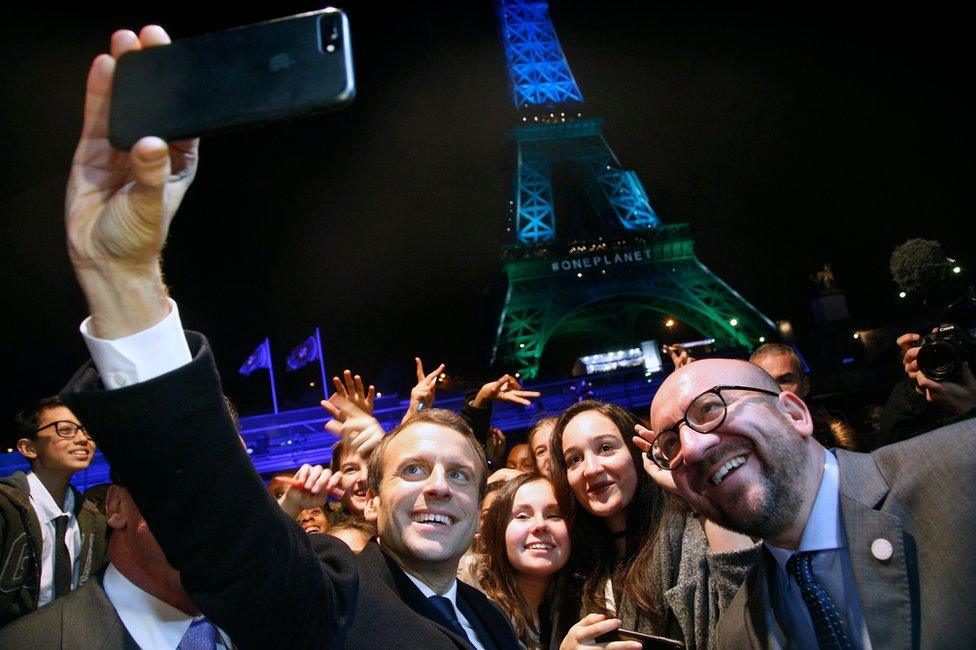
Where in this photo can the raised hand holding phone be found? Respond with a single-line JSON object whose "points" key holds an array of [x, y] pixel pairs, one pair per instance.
{"points": [[119, 205]]}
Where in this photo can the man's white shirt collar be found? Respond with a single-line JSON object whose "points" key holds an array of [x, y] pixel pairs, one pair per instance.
{"points": [[44, 504], [450, 594], [151, 622], [823, 531]]}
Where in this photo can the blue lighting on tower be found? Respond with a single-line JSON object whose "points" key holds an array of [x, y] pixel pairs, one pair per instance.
{"points": [[537, 66]]}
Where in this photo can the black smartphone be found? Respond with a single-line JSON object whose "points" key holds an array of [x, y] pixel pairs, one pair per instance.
{"points": [[648, 641], [280, 69]]}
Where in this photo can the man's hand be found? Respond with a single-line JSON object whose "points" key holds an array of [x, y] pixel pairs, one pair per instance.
{"points": [[119, 205], [910, 345], [506, 389], [424, 391], [679, 356], [312, 492], [950, 397], [583, 635], [662, 477]]}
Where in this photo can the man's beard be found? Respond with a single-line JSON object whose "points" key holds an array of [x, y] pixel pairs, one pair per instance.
{"points": [[780, 498]]}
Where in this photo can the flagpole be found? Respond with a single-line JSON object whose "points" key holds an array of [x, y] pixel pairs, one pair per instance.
{"points": [[274, 394], [325, 385]]}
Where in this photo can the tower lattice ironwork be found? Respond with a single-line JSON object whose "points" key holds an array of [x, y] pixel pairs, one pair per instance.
{"points": [[588, 253]]}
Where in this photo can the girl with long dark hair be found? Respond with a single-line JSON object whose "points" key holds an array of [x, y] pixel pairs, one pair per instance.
{"points": [[525, 540]]}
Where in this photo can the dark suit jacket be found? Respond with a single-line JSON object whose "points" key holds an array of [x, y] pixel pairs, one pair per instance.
{"points": [[920, 495], [82, 620], [251, 569]]}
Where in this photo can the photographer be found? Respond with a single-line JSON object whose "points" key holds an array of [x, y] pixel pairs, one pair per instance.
{"points": [[920, 403], [939, 387]]}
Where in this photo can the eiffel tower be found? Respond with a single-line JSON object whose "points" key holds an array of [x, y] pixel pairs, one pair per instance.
{"points": [[589, 256]]}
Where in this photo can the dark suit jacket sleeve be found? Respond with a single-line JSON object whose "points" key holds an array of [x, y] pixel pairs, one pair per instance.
{"points": [[243, 561], [477, 417]]}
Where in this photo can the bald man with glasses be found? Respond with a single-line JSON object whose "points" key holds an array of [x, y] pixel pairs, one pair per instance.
{"points": [[860, 550], [51, 538]]}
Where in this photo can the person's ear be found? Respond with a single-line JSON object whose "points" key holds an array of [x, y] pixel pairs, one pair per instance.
{"points": [[371, 511], [114, 512], [798, 413], [26, 448]]}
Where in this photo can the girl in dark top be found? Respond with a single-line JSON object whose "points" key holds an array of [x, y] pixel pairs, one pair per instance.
{"points": [[526, 544]]}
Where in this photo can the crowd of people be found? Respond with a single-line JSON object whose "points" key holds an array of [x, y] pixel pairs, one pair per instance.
{"points": [[731, 514]]}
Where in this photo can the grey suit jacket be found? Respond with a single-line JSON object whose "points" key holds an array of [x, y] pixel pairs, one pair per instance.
{"points": [[920, 496], [83, 620]]}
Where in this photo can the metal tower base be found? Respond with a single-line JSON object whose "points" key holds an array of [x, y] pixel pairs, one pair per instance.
{"points": [[579, 287]]}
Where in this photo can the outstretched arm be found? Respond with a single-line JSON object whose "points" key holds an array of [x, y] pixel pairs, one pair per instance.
{"points": [[119, 206], [171, 440]]}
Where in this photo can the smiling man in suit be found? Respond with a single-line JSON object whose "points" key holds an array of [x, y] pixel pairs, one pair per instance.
{"points": [[861, 550], [154, 399]]}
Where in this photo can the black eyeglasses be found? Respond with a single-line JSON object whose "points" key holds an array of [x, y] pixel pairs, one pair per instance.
{"points": [[704, 414], [66, 429]]}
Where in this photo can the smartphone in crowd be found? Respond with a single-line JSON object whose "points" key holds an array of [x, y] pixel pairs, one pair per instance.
{"points": [[280, 69], [647, 641]]}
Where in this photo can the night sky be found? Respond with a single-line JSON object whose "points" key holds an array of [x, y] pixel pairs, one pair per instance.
{"points": [[786, 139]]}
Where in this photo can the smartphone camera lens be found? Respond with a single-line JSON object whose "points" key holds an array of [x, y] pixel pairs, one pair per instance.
{"points": [[329, 33]]}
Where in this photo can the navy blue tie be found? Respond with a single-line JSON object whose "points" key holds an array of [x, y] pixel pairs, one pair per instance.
{"points": [[823, 611], [446, 609]]}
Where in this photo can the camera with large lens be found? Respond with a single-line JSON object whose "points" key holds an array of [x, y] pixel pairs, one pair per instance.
{"points": [[945, 350]]}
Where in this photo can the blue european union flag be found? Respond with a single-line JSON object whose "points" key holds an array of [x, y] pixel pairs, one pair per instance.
{"points": [[307, 352], [260, 358]]}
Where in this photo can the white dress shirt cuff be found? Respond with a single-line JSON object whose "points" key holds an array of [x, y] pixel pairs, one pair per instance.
{"points": [[141, 356]]}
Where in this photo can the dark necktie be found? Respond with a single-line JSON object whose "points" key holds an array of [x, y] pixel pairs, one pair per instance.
{"points": [[62, 561], [823, 611], [201, 635], [446, 610]]}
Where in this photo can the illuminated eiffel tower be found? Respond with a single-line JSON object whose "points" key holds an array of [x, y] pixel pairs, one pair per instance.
{"points": [[588, 253]]}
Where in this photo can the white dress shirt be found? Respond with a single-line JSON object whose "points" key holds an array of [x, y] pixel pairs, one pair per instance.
{"points": [[47, 510], [141, 356], [153, 624], [823, 533], [451, 595]]}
